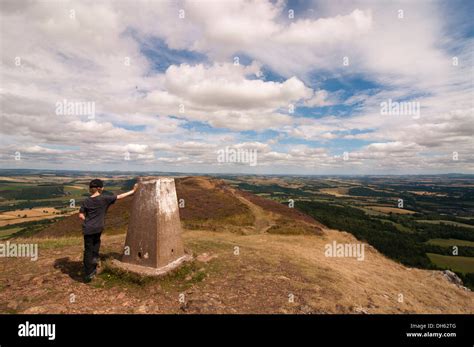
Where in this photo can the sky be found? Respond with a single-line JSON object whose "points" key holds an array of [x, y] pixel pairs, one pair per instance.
{"points": [[309, 87]]}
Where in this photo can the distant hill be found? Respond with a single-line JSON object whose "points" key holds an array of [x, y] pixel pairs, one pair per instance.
{"points": [[209, 204]]}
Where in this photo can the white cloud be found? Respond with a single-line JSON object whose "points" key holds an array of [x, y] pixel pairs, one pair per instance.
{"points": [[86, 58], [226, 86], [307, 32]]}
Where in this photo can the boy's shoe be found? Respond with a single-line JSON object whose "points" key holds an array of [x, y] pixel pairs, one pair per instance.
{"points": [[90, 277]]}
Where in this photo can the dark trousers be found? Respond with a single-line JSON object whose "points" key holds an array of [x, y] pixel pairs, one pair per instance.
{"points": [[91, 252]]}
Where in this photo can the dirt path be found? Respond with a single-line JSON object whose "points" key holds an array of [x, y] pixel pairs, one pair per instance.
{"points": [[264, 220]]}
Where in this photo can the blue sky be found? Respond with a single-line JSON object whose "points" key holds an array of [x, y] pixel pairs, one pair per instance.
{"points": [[170, 92]]}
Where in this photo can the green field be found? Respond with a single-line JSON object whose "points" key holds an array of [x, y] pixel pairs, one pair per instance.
{"points": [[370, 212], [16, 186], [7, 232], [455, 263], [400, 227], [445, 222], [450, 242]]}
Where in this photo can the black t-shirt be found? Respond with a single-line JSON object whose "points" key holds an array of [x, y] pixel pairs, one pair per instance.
{"points": [[95, 209]]}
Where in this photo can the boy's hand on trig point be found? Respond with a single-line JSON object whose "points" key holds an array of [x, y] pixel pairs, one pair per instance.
{"points": [[124, 195]]}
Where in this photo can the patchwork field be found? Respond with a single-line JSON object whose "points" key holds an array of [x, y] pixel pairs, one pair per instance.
{"points": [[29, 215], [451, 242], [439, 208], [448, 222]]}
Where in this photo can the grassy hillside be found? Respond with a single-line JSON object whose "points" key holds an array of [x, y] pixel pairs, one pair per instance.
{"points": [[269, 274]]}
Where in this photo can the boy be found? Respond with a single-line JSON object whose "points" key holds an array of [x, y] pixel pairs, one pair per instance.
{"points": [[92, 212]]}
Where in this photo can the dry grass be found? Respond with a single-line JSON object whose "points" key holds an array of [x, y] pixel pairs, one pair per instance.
{"points": [[267, 269], [338, 192], [29, 215], [207, 199]]}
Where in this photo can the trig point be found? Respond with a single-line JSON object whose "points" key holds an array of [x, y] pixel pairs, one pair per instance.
{"points": [[154, 245]]}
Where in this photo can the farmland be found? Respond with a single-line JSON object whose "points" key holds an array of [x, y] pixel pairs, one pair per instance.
{"points": [[421, 221]]}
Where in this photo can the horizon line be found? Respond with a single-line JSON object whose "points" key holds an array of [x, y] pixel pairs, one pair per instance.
{"points": [[233, 174]]}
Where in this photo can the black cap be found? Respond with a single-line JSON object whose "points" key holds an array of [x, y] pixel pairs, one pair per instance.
{"points": [[97, 183]]}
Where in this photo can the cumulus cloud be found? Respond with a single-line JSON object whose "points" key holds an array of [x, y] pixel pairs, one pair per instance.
{"points": [[226, 86], [178, 114]]}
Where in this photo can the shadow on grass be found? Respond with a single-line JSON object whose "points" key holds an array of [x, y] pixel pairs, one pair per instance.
{"points": [[73, 269], [110, 256]]}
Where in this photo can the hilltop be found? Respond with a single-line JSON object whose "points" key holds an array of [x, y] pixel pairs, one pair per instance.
{"points": [[253, 255], [207, 204]]}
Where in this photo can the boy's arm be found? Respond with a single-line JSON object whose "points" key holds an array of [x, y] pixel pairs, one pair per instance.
{"points": [[124, 195], [82, 212]]}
